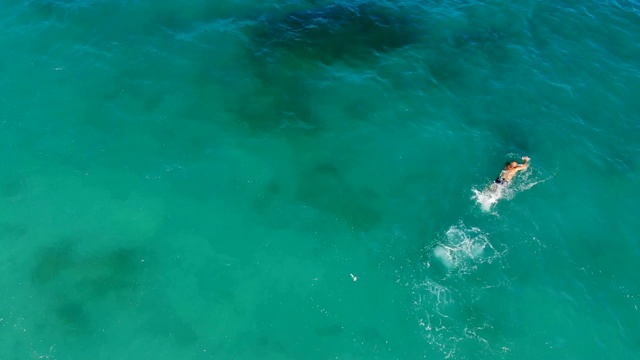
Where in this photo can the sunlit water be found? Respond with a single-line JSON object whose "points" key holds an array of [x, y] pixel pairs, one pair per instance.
{"points": [[312, 180]]}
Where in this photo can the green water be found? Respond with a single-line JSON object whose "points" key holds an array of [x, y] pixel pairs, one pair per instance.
{"points": [[189, 180]]}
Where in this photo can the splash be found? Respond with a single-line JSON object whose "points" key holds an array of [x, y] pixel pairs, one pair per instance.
{"points": [[463, 248], [488, 197], [442, 301]]}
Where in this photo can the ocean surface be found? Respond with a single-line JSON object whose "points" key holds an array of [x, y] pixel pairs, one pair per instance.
{"points": [[290, 179]]}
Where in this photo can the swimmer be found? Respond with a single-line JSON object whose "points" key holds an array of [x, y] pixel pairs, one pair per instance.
{"points": [[510, 171]]}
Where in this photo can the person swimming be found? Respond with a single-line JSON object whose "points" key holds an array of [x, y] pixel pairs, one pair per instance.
{"points": [[498, 188], [510, 170]]}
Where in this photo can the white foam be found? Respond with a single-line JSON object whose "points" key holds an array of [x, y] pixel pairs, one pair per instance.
{"points": [[441, 299], [444, 255], [431, 292], [463, 248], [488, 197]]}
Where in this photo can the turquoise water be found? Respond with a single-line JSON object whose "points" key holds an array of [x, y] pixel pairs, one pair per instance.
{"points": [[298, 180]]}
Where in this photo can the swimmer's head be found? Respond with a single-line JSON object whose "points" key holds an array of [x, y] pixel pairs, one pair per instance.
{"points": [[511, 165]]}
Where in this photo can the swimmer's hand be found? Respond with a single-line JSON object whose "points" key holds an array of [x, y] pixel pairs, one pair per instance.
{"points": [[526, 158]]}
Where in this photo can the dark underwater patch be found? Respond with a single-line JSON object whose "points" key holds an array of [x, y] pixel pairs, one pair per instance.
{"points": [[111, 273], [325, 189], [337, 32], [287, 53], [73, 315], [74, 283], [51, 261], [94, 276]]}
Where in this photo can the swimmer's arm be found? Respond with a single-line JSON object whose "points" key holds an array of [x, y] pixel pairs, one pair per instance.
{"points": [[525, 165]]}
